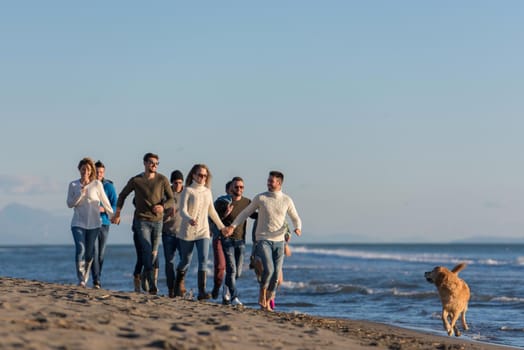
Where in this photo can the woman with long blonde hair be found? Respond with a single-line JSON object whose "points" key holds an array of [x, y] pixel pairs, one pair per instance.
{"points": [[196, 205]]}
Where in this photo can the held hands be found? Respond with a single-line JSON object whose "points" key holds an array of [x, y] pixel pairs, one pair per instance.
{"points": [[158, 209], [116, 219], [227, 231]]}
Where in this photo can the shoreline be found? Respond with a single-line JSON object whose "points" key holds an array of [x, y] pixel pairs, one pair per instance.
{"points": [[35, 314]]}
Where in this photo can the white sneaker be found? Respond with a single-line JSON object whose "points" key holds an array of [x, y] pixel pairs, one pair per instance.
{"points": [[236, 301], [225, 293]]}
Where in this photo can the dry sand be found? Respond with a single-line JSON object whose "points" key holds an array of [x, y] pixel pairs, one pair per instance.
{"points": [[39, 315]]}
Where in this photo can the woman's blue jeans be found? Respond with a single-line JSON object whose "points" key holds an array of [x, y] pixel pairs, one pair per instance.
{"points": [[186, 252], [84, 250], [272, 255]]}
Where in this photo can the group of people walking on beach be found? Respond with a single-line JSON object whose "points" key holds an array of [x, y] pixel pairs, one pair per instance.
{"points": [[184, 216]]}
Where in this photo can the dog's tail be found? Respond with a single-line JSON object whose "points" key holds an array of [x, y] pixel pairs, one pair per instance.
{"points": [[459, 268]]}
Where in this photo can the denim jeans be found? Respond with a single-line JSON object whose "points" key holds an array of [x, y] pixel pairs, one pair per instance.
{"points": [[138, 248], [272, 255], [84, 250], [149, 233], [234, 253], [186, 252], [100, 250], [170, 244]]}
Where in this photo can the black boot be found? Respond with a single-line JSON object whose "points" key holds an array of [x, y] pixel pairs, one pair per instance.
{"points": [[180, 289], [202, 294], [215, 291], [144, 279]]}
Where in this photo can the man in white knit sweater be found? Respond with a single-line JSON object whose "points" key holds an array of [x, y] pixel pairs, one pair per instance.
{"points": [[272, 206]]}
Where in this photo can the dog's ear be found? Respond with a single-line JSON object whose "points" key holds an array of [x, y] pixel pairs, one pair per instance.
{"points": [[440, 276]]}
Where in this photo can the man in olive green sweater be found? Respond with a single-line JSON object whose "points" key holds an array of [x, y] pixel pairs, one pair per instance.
{"points": [[153, 194]]}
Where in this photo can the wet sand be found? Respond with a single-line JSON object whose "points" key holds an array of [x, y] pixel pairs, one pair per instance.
{"points": [[40, 315]]}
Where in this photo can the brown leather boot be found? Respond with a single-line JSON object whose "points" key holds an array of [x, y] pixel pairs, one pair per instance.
{"points": [[180, 289], [136, 283]]}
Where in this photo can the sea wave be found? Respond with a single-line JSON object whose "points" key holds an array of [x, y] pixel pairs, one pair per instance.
{"points": [[296, 304], [511, 329], [505, 299], [413, 294], [327, 288], [515, 303], [492, 262], [339, 288], [369, 255]]}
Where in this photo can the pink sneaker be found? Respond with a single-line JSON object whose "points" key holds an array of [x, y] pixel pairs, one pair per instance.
{"points": [[272, 304]]}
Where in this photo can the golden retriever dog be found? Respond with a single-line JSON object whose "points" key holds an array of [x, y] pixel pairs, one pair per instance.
{"points": [[454, 295]]}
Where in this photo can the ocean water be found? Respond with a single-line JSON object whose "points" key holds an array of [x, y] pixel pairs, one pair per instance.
{"points": [[376, 282]]}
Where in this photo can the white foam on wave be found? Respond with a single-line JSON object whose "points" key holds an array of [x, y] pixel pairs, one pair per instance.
{"points": [[289, 266], [400, 293], [505, 299], [314, 288], [293, 285], [367, 255], [492, 262], [511, 329], [327, 288]]}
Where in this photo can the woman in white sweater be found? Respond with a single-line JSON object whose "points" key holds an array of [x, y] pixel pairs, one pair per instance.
{"points": [[196, 205], [85, 196]]}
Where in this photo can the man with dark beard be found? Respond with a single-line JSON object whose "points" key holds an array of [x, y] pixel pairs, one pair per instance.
{"points": [[234, 245]]}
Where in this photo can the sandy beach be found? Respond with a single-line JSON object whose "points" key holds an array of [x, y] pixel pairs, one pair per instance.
{"points": [[39, 315]]}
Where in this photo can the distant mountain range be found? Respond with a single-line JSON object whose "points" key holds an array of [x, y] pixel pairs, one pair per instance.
{"points": [[23, 225], [490, 240], [20, 224]]}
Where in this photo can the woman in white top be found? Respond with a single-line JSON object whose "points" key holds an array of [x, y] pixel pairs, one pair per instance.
{"points": [[196, 205], [86, 195]]}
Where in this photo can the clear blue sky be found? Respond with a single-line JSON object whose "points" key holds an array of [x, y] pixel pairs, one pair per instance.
{"points": [[392, 120]]}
